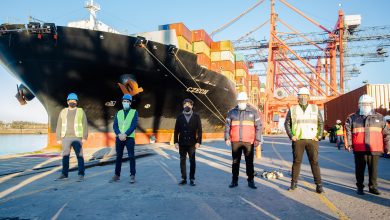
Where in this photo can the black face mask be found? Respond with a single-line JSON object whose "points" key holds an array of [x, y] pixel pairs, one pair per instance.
{"points": [[72, 105], [187, 109]]}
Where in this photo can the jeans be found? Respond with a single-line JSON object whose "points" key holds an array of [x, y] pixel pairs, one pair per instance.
{"points": [[237, 149], [183, 151], [67, 144], [340, 140], [119, 147]]}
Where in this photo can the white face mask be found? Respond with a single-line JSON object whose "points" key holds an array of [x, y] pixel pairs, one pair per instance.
{"points": [[242, 106], [365, 110]]}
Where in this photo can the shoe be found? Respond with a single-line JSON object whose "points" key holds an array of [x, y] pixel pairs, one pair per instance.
{"points": [[132, 179], [183, 182], [374, 191], [360, 191], [293, 186], [81, 178], [115, 178], [233, 184], [251, 184], [62, 177], [192, 183], [319, 189]]}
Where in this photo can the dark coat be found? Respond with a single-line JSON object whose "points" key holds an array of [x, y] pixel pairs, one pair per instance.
{"points": [[188, 133]]}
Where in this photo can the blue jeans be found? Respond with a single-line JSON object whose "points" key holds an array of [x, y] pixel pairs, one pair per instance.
{"points": [[340, 140], [67, 143], [120, 146]]}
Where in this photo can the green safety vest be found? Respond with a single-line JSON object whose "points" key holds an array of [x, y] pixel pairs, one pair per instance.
{"points": [[78, 122], [125, 123], [339, 130], [304, 124]]}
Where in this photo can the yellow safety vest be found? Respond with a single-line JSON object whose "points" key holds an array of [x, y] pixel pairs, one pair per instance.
{"points": [[304, 124], [125, 123], [78, 122], [340, 130]]}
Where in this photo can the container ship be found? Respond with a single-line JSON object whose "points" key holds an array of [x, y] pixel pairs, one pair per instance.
{"points": [[159, 69]]}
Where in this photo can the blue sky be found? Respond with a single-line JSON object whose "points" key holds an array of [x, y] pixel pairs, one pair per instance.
{"points": [[142, 16]]}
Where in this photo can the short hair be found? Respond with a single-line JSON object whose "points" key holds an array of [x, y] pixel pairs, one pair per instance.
{"points": [[189, 101]]}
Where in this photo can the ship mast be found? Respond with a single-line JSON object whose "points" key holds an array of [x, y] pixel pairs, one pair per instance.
{"points": [[92, 8]]}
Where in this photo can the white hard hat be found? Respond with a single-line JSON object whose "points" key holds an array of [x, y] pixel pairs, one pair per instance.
{"points": [[366, 99], [242, 96], [338, 121], [303, 91]]}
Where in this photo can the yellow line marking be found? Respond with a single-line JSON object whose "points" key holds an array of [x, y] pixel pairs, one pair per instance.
{"points": [[322, 197]]}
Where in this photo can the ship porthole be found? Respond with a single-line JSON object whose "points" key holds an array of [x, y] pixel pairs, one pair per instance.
{"points": [[147, 106]]}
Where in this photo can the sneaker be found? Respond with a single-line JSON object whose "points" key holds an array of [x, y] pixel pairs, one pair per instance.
{"points": [[251, 184], [132, 179], [115, 178], [183, 182], [319, 189], [81, 178], [233, 184], [293, 186], [360, 191], [192, 183], [62, 177], [374, 191]]}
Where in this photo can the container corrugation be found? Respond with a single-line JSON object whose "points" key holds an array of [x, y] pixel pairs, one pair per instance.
{"points": [[184, 44], [342, 106], [224, 65], [201, 35], [214, 46], [203, 60], [241, 65], [215, 56], [227, 55], [201, 47], [226, 45], [181, 30]]}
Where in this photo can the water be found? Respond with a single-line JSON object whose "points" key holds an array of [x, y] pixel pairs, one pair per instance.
{"points": [[20, 143]]}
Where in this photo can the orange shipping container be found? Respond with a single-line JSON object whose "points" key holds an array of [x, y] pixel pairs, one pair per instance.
{"points": [[214, 46], [204, 60], [182, 30], [225, 65], [241, 73], [201, 35], [241, 65]]}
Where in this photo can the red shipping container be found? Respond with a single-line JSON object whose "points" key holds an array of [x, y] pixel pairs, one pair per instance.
{"points": [[182, 30], [201, 35], [203, 60]]}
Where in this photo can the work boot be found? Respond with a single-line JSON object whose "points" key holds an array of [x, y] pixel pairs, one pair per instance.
{"points": [[293, 186], [183, 182], [374, 191], [132, 179], [319, 189], [233, 184], [62, 177], [360, 191], [115, 178], [81, 178], [192, 183], [251, 184]]}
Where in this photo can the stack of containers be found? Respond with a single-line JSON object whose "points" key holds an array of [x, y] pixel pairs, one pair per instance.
{"points": [[184, 35], [222, 58], [242, 74], [254, 86], [201, 42]]}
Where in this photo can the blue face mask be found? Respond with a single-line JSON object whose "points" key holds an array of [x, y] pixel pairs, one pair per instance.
{"points": [[126, 105]]}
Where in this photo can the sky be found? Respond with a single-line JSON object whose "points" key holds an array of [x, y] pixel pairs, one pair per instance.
{"points": [[142, 16]]}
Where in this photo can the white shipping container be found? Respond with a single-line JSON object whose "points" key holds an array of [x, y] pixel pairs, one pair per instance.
{"points": [[227, 55], [164, 36]]}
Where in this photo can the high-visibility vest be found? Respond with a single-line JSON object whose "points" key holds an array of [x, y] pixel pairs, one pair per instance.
{"points": [[125, 123], [339, 130], [78, 122], [304, 124]]}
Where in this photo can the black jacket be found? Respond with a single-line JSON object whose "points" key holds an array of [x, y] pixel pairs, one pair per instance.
{"points": [[188, 133]]}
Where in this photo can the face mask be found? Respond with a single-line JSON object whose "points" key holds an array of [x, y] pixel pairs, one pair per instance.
{"points": [[303, 101], [187, 109], [365, 110], [72, 104], [126, 105], [242, 106]]}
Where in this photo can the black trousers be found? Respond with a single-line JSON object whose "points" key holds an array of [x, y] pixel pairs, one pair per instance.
{"points": [[237, 149], [360, 166], [311, 147], [183, 151]]}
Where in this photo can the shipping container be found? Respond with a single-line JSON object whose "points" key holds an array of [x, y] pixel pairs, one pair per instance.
{"points": [[201, 47], [229, 75], [344, 105], [203, 60], [181, 30], [184, 44], [241, 73], [222, 56], [215, 56], [241, 65], [163, 36], [214, 46], [201, 35], [240, 57], [224, 65], [226, 45]]}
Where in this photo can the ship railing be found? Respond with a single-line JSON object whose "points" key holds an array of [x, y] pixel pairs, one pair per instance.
{"points": [[32, 28]]}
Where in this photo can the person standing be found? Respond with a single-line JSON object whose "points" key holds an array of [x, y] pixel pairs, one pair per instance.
{"points": [[368, 137], [339, 133], [187, 138], [243, 134], [304, 126], [125, 123], [72, 131]]}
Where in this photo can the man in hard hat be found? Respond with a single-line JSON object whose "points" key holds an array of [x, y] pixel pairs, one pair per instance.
{"points": [[339, 133], [187, 138], [243, 134], [304, 126], [368, 137], [125, 123], [72, 131]]}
